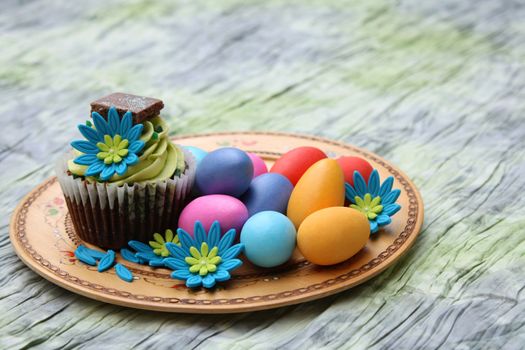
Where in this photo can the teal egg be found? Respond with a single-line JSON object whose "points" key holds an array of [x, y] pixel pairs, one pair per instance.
{"points": [[268, 238], [197, 152]]}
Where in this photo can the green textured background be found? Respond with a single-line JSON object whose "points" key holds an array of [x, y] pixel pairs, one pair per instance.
{"points": [[436, 87]]}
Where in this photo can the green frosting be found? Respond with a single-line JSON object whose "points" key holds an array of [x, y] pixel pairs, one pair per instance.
{"points": [[160, 159]]}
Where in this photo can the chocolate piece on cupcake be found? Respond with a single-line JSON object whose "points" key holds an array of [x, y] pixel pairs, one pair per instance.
{"points": [[142, 108]]}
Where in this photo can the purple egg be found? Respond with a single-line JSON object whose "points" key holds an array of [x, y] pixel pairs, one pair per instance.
{"points": [[270, 191], [224, 171]]}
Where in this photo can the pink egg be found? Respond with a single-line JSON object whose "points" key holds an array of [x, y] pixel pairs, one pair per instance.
{"points": [[228, 210], [259, 166]]}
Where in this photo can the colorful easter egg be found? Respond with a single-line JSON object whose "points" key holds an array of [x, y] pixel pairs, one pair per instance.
{"points": [[351, 164], [259, 166], [268, 238], [321, 186], [229, 211], [293, 164], [269, 191], [197, 152], [224, 171], [332, 235]]}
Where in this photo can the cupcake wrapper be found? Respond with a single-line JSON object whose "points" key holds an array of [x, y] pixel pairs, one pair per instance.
{"points": [[109, 216]]}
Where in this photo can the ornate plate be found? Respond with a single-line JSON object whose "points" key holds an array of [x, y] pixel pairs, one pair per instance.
{"points": [[44, 238]]}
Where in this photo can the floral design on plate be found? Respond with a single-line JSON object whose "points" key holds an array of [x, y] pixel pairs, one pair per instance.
{"points": [[111, 145], [205, 259], [377, 201]]}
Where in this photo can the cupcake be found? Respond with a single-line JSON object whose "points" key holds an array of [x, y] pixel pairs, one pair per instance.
{"points": [[126, 179]]}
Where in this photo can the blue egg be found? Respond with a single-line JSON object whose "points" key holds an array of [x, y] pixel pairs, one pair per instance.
{"points": [[270, 191], [268, 238], [224, 171], [197, 152]]}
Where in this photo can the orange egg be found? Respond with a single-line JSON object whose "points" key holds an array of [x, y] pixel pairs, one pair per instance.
{"points": [[321, 186], [332, 235]]}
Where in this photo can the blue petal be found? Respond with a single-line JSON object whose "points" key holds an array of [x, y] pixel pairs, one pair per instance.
{"points": [[221, 275], [373, 226], [121, 168], [83, 256], [123, 273], [391, 209], [232, 264], [95, 168], [85, 147], [100, 124], [140, 247], [208, 281], [383, 220], [199, 234], [86, 159], [136, 146], [176, 251], [214, 235], [90, 134], [181, 274], [158, 262], [232, 252], [359, 184], [108, 172], [186, 240], [350, 193], [373, 183], [175, 264], [125, 125], [135, 132], [131, 159], [226, 241], [148, 256], [391, 197], [194, 281], [129, 255], [114, 121], [386, 187]]}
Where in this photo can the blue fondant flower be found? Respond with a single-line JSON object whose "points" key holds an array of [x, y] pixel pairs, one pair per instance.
{"points": [[377, 201], [111, 145], [204, 259]]}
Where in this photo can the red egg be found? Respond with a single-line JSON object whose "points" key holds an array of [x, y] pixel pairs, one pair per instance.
{"points": [[293, 164], [351, 164]]}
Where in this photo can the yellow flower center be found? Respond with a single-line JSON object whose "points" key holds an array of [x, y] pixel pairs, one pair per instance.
{"points": [[113, 149], [203, 261], [368, 206], [159, 243]]}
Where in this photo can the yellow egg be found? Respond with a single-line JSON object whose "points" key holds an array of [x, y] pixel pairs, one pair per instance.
{"points": [[332, 235], [321, 186]]}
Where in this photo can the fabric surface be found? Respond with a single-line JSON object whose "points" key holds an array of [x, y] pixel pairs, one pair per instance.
{"points": [[435, 87]]}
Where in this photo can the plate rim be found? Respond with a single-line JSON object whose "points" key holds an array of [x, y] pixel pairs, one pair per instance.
{"points": [[235, 305]]}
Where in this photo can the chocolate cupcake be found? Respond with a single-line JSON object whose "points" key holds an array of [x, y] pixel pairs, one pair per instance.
{"points": [[126, 180]]}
